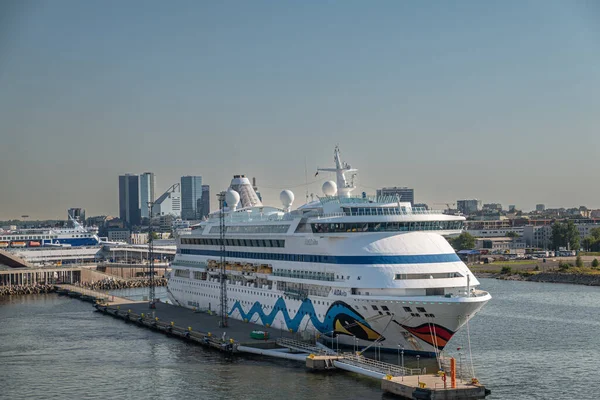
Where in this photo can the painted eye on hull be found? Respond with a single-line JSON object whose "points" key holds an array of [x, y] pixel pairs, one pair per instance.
{"points": [[348, 322], [347, 325]]}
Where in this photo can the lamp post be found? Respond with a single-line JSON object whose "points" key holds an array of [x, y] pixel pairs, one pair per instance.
{"points": [[418, 363], [403, 370], [460, 375]]}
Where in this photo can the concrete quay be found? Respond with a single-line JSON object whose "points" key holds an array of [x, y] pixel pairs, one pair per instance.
{"points": [[432, 387], [90, 295], [173, 319], [204, 329]]}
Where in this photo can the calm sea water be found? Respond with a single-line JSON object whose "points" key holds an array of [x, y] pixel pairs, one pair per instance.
{"points": [[533, 341]]}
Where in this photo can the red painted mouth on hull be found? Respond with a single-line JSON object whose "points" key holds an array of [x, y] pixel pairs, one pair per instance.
{"points": [[433, 334]]}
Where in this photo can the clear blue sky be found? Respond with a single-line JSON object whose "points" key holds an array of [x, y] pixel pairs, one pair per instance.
{"points": [[492, 100]]}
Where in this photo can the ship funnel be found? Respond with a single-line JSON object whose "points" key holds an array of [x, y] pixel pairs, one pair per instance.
{"points": [[248, 197]]}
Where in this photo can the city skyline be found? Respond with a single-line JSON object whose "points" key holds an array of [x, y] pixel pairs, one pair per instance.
{"points": [[494, 101]]}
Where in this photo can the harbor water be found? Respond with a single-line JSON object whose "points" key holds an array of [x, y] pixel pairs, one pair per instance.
{"points": [[532, 341]]}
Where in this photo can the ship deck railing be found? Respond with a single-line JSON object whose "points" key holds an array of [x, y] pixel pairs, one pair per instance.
{"points": [[329, 277]]}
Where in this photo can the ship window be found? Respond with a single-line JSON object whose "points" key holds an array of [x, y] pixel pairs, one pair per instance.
{"points": [[407, 309], [385, 308], [421, 309], [434, 292], [374, 307]]}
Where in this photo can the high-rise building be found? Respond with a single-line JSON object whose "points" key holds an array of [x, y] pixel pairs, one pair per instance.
{"points": [[191, 195], [540, 207], [77, 214], [205, 201], [129, 199], [168, 203], [147, 183], [492, 207], [405, 194], [468, 206]]}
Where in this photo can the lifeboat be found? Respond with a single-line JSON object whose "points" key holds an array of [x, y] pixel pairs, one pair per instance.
{"points": [[259, 335], [34, 244], [4, 245], [18, 244]]}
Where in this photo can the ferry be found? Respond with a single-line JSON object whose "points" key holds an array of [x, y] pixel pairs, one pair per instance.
{"points": [[356, 269], [76, 236]]}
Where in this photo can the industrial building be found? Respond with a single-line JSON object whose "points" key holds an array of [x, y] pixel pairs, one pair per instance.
{"points": [[168, 203]]}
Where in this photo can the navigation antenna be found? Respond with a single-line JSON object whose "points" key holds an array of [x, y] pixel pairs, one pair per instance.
{"points": [[151, 282], [223, 272]]}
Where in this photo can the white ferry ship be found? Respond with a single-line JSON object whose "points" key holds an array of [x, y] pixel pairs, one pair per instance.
{"points": [[76, 236], [360, 269]]}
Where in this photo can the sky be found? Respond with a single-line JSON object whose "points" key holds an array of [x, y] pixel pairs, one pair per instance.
{"points": [[497, 101]]}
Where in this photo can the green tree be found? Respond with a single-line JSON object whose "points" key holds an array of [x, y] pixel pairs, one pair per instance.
{"points": [[595, 233], [565, 234], [563, 266], [595, 263], [512, 234], [588, 243], [578, 261], [464, 241]]}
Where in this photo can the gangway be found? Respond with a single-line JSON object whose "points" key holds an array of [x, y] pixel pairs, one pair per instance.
{"points": [[377, 367], [303, 347]]}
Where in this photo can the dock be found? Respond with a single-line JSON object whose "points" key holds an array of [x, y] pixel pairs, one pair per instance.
{"points": [[90, 295], [189, 324], [432, 387], [203, 328]]}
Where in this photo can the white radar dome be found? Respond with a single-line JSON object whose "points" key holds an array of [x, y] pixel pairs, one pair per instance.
{"points": [[232, 198], [287, 198], [329, 188]]}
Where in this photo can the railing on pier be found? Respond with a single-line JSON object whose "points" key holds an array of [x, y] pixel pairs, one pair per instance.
{"points": [[303, 347], [378, 366]]}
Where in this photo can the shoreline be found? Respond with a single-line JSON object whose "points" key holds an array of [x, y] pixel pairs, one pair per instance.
{"points": [[545, 277]]}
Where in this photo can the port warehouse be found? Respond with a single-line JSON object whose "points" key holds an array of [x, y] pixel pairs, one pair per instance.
{"points": [[130, 254]]}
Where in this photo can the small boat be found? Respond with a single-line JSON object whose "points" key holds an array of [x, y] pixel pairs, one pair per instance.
{"points": [[34, 244], [4, 245], [18, 244]]}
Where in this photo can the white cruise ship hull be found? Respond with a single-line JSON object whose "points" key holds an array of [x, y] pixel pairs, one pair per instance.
{"points": [[357, 302], [350, 320]]}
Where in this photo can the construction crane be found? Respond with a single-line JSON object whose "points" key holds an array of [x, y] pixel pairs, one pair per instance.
{"points": [[449, 206], [223, 270], [151, 282]]}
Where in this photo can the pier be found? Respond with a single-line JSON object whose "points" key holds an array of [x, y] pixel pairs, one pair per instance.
{"points": [[32, 277], [203, 328]]}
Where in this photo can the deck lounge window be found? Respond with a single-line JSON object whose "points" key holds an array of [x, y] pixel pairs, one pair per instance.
{"points": [[233, 242], [387, 226]]}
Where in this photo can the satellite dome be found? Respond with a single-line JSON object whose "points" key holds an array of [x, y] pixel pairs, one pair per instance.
{"points": [[329, 188], [287, 198], [232, 198]]}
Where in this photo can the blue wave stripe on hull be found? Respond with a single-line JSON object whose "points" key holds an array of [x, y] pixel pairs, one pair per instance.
{"points": [[369, 259], [306, 309]]}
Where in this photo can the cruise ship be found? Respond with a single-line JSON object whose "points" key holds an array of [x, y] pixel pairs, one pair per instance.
{"points": [[358, 269]]}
